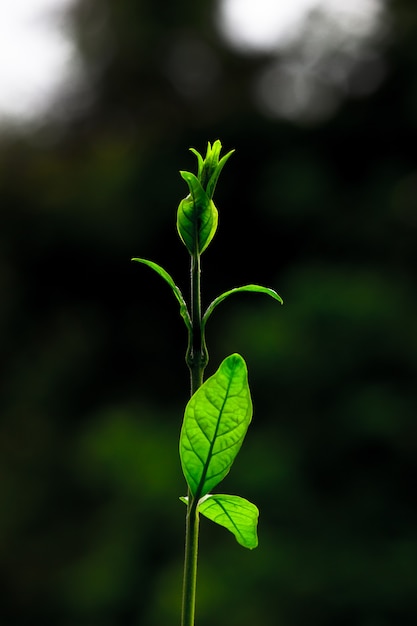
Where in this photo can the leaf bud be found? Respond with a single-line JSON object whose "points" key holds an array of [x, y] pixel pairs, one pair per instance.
{"points": [[197, 216]]}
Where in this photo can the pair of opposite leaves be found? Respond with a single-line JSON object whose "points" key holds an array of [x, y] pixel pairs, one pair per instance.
{"points": [[215, 423]]}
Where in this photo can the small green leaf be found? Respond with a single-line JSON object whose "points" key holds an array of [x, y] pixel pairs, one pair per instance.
{"points": [[234, 513], [200, 162], [210, 162], [211, 185], [176, 291], [252, 288], [215, 423], [196, 216], [210, 168]]}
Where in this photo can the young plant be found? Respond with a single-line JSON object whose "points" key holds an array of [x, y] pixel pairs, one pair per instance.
{"points": [[219, 411]]}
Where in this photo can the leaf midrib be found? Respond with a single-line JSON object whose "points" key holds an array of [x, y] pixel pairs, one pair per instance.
{"points": [[227, 514], [210, 452]]}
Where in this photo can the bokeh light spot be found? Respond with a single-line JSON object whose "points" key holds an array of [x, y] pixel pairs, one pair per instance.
{"points": [[37, 57], [322, 51]]}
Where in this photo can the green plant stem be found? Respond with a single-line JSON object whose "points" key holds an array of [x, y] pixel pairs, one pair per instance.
{"points": [[197, 356], [190, 563], [196, 359]]}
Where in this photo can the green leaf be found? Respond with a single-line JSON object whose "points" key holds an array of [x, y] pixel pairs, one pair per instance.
{"points": [[223, 296], [176, 291], [197, 216], [234, 513], [215, 423], [200, 162], [209, 169], [211, 185]]}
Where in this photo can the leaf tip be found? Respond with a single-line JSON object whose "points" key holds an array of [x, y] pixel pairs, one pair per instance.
{"points": [[235, 362]]}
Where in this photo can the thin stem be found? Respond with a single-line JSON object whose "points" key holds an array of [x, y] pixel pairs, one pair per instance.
{"points": [[190, 564], [197, 359], [197, 356]]}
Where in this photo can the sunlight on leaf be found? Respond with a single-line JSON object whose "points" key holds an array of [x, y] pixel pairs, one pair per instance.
{"points": [[176, 291], [251, 288], [197, 216], [215, 423], [234, 513]]}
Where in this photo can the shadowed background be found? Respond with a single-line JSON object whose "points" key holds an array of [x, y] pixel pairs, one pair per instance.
{"points": [[318, 202]]}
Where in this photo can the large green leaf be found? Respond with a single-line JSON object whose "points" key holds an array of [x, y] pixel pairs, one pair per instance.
{"points": [[234, 513], [197, 216], [253, 288], [215, 423], [176, 291]]}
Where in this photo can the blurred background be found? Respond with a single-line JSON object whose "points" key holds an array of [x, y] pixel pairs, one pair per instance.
{"points": [[99, 103]]}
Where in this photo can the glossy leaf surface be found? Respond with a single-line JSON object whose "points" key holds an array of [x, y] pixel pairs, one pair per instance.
{"points": [[252, 288], [215, 423], [234, 513], [176, 291], [196, 216]]}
